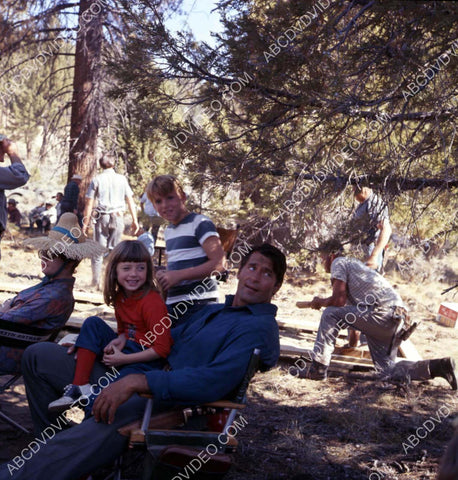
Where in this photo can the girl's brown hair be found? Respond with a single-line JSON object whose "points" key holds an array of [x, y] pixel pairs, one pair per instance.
{"points": [[127, 251]]}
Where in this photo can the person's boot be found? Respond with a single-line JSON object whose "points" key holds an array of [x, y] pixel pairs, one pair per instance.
{"points": [[317, 371], [445, 368]]}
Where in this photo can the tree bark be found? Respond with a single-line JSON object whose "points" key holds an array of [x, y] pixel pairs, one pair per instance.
{"points": [[84, 114]]}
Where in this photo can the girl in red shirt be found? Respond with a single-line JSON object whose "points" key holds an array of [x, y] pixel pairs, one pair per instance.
{"points": [[143, 340]]}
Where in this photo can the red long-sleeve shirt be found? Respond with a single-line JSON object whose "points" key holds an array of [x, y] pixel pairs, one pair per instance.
{"points": [[145, 321]]}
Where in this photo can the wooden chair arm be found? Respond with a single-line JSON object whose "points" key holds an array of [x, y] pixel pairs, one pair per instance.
{"points": [[225, 404], [159, 421], [217, 404]]}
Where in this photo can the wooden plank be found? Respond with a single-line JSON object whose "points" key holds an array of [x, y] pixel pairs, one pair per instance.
{"points": [[77, 322], [408, 351], [85, 297], [303, 304], [339, 359], [305, 325]]}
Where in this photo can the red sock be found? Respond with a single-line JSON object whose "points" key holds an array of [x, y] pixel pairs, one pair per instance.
{"points": [[84, 363]]}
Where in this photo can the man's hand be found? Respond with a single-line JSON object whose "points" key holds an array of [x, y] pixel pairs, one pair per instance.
{"points": [[116, 394], [10, 148], [316, 303], [372, 263], [168, 279]]}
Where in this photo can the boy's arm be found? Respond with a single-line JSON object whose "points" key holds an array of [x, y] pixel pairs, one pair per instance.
{"points": [[216, 262]]}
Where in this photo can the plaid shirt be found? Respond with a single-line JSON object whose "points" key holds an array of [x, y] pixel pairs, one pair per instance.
{"points": [[364, 285], [46, 305]]}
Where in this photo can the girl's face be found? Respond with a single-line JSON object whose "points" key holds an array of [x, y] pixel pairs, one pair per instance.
{"points": [[131, 276]]}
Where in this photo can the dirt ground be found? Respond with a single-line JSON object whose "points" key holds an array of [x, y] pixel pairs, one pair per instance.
{"points": [[350, 427]]}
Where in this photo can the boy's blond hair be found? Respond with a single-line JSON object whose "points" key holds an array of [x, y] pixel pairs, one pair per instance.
{"points": [[163, 185]]}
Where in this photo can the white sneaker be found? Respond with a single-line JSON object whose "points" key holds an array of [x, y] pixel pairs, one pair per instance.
{"points": [[73, 394]]}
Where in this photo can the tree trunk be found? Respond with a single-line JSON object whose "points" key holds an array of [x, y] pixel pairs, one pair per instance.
{"points": [[84, 115]]}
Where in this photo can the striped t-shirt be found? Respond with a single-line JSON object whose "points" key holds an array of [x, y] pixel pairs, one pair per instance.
{"points": [[183, 245]]}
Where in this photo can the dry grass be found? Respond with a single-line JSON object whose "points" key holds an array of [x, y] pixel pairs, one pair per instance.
{"points": [[350, 427]]}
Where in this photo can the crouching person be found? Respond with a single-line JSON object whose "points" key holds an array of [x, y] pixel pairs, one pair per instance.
{"points": [[364, 300]]}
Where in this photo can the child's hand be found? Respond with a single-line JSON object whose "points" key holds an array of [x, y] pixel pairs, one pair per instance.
{"points": [[168, 279], [115, 358], [6, 305], [119, 343], [70, 349]]}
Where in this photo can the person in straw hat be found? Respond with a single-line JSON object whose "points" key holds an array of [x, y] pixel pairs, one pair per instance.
{"points": [[49, 304]]}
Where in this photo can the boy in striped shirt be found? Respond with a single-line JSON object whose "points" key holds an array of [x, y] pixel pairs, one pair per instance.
{"points": [[194, 251]]}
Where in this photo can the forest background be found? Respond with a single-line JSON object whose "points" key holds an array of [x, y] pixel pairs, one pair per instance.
{"points": [[268, 126], [292, 102]]}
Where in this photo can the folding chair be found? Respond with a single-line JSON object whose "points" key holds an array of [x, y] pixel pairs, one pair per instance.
{"points": [[228, 238], [19, 335], [177, 438]]}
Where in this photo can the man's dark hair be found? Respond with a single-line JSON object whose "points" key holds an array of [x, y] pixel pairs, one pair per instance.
{"points": [[274, 254], [107, 162], [360, 184], [331, 246]]}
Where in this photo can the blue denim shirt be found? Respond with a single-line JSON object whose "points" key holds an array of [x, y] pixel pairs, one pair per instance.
{"points": [[212, 350]]}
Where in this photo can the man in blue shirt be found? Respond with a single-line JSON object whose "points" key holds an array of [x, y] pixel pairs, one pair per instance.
{"points": [[208, 360]]}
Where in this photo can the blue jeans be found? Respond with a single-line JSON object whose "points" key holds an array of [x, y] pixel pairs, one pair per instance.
{"points": [[108, 231], [95, 335]]}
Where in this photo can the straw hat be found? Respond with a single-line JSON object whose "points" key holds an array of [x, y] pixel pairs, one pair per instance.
{"points": [[67, 238]]}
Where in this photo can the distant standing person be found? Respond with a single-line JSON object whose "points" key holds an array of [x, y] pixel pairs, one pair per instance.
{"points": [[69, 202], [59, 197], [112, 192], [14, 215], [372, 222], [11, 177], [193, 248], [148, 209]]}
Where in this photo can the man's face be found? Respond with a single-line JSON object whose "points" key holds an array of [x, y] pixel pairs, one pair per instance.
{"points": [[50, 264], [257, 281], [170, 207], [362, 195], [326, 260]]}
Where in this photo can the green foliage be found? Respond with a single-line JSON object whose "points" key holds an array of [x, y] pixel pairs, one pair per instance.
{"points": [[304, 96]]}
